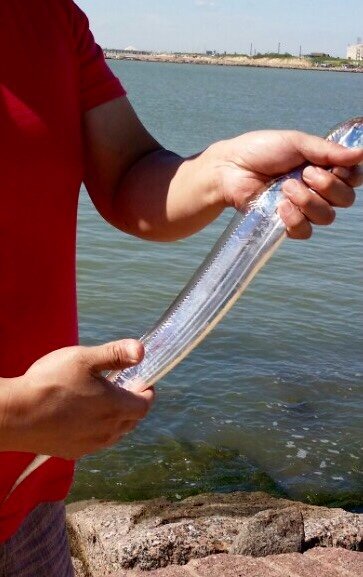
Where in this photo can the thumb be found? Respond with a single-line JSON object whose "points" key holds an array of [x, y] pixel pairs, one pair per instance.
{"points": [[114, 356], [325, 153]]}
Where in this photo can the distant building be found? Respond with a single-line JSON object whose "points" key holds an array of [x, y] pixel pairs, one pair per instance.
{"points": [[355, 52], [317, 55]]}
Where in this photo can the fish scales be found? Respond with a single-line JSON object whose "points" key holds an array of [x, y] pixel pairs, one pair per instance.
{"points": [[243, 248]]}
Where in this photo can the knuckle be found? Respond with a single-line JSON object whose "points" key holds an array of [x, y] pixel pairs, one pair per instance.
{"points": [[117, 354], [299, 220], [105, 439], [307, 201], [79, 355], [111, 417], [324, 217], [326, 183], [114, 351], [74, 353], [297, 138]]}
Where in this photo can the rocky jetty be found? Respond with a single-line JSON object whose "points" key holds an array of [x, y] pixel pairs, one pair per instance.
{"points": [[129, 539]]}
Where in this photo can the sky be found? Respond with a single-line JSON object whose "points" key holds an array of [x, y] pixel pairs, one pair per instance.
{"points": [[227, 25]]}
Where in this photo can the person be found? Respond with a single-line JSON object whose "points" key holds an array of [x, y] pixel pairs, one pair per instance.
{"points": [[66, 118]]}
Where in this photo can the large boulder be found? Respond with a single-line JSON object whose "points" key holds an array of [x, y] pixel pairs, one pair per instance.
{"points": [[107, 536]]}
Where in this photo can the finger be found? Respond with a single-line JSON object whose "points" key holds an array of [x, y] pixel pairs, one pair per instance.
{"points": [[352, 176], [133, 406], [329, 186], [297, 225], [125, 428], [113, 356], [314, 207], [325, 153]]}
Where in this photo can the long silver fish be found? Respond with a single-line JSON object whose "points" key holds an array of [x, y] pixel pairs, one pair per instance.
{"points": [[244, 247]]}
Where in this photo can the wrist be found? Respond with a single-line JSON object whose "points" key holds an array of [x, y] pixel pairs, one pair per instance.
{"points": [[13, 414], [210, 164]]}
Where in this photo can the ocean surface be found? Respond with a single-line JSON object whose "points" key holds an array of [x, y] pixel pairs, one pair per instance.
{"points": [[272, 399]]}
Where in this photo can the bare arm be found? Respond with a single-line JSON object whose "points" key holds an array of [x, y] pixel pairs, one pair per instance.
{"points": [[137, 185]]}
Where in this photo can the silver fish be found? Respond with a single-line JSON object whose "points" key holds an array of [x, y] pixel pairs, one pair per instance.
{"points": [[244, 247]]}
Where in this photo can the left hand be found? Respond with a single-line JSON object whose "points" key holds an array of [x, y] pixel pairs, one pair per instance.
{"points": [[248, 163]]}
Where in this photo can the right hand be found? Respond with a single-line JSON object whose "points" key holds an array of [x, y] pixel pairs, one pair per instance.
{"points": [[244, 166], [63, 406]]}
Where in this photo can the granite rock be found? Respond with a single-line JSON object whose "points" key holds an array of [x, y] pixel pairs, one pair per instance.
{"points": [[342, 530], [271, 532], [107, 537], [78, 568]]}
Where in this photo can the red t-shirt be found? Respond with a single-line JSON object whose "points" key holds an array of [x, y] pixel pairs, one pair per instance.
{"points": [[51, 71]]}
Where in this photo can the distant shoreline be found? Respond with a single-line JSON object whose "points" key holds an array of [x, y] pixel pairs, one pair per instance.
{"points": [[264, 62]]}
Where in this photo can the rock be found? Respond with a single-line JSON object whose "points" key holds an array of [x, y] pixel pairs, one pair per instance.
{"points": [[233, 505], [108, 537], [111, 536], [342, 530], [78, 568], [271, 532], [150, 534], [94, 530], [177, 543], [320, 562]]}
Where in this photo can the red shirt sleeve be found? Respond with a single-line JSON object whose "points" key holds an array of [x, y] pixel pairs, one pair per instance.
{"points": [[98, 84]]}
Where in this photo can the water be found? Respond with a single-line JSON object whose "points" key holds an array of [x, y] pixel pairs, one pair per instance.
{"points": [[272, 399]]}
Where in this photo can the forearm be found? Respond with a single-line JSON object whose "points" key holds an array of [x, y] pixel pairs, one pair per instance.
{"points": [[140, 187], [164, 197]]}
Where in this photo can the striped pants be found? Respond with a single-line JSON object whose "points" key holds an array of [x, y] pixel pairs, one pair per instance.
{"points": [[40, 546]]}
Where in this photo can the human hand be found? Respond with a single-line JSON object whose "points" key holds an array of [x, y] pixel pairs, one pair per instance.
{"points": [[245, 166], [63, 407]]}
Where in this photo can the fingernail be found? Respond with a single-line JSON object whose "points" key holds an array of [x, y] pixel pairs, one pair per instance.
{"points": [[312, 173], [132, 351], [291, 186]]}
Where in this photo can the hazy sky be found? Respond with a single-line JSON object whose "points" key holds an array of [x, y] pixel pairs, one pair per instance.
{"points": [[231, 25]]}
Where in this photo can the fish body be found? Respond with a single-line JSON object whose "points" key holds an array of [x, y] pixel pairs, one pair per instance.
{"points": [[244, 247]]}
